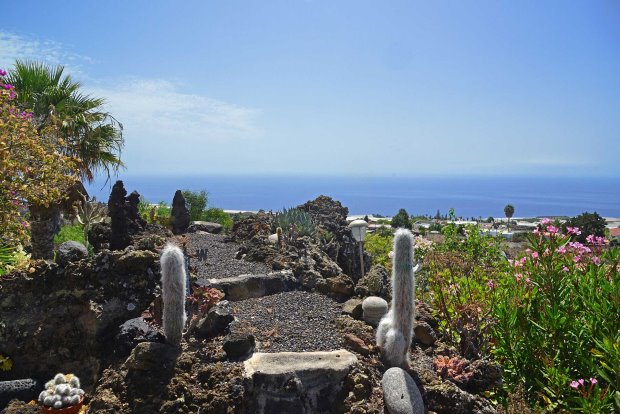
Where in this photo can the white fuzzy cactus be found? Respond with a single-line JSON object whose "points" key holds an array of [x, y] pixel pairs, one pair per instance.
{"points": [[63, 391], [173, 292], [395, 330]]}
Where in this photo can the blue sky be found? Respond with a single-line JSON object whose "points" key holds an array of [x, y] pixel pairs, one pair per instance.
{"points": [[343, 87]]}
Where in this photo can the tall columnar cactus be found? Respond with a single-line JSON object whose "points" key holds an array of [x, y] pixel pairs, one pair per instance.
{"points": [[395, 330], [173, 292]]}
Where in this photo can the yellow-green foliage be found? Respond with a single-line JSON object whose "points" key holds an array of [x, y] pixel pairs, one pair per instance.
{"points": [[32, 169], [379, 245], [216, 215], [5, 363], [70, 232]]}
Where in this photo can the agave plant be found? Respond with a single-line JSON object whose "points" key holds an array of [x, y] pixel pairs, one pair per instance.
{"points": [[89, 212], [295, 222]]}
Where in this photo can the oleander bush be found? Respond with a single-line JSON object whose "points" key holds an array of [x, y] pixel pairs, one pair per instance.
{"points": [[557, 325]]}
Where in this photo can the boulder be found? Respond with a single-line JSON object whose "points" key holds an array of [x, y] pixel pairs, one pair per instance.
{"points": [[446, 397], [239, 343], [341, 285], [179, 216], [70, 251], [424, 334], [24, 390], [214, 228], [353, 307], [254, 286], [400, 393], [133, 332], [152, 356], [375, 283], [373, 309], [216, 322], [296, 382]]}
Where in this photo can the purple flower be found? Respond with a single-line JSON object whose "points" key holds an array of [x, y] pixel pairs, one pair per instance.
{"points": [[573, 230], [490, 284], [2, 72], [581, 381], [574, 384], [552, 229], [8, 86]]}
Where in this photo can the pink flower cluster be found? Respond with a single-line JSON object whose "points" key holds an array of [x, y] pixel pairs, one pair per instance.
{"points": [[7, 86], [595, 240]]}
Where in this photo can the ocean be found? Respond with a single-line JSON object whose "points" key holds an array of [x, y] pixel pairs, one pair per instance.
{"points": [[469, 196]]}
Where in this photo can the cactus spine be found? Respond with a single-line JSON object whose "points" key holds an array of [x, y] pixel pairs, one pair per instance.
{"points": [[279, 234], [395, 330], [173, 292]]}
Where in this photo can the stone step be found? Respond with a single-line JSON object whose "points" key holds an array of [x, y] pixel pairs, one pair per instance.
{"points": [[296, 382], [253, 286]]}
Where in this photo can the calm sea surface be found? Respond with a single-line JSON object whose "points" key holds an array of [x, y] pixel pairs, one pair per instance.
{"points": [[470, 197]]}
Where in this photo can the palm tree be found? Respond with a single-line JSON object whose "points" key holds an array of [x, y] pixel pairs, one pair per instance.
{"points": [[79, 127], [83, 130], [509, 210]]}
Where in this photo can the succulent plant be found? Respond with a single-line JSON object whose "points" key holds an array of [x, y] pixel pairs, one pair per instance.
{"points": [[89, 212], [396, 327], [173, 292], [61, 392], [295, 222], [279, 234]]}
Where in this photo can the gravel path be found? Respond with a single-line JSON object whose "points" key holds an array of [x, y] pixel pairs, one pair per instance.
{"points": [[291, 321], [221, 260]]}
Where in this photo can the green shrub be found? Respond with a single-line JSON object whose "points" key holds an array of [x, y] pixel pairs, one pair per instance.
{"points": [[558, 322], [588, 224], [196, 202], [401, 219], [70, 232], [6, 258], [217, 215], [379, 245], [460, 273]]}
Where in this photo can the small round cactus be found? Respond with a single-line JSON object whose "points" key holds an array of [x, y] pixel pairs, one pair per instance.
{"points": [[61, 392], [374, 308]]}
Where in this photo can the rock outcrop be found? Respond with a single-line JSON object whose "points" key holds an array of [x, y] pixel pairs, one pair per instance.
{"points": [[179, 216], [125, 219], [296, 382]]}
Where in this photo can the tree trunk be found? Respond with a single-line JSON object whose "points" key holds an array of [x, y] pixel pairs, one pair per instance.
{"points": [[43, 227]]}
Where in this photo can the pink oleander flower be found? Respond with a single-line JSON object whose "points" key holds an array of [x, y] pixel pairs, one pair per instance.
{"points": [[545, 221], [596, 260], [561, 250], [574, 384], [577, 259], [581, 381], [518, 276], [565, 269], [490, 284], [593, 381], [552, 229], [534, 255], [546, 253], [528, 281], [573, 230]]}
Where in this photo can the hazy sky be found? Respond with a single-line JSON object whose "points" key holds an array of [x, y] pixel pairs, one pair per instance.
{"points": [[343, 87]]}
